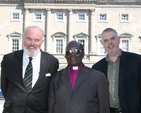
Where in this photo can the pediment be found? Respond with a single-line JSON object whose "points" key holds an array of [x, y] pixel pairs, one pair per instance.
{"points": [[126, 35], [14, 34], [81, 35], [59, 34]]}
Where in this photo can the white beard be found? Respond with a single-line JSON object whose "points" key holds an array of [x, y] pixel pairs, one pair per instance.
{"points": [[31, 54]]}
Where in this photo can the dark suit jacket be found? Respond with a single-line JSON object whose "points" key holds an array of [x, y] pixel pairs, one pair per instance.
{"points": [[90, 94], [129, 81], [17, 98]]}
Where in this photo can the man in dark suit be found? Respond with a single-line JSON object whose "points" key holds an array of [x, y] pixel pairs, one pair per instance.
{"points": [[18, 97], [77, 88], [123, 71]]}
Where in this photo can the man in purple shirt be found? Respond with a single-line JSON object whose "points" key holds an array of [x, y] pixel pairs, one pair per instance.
{"points": [[78, 88]]}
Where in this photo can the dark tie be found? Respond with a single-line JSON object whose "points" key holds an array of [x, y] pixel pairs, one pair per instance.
{"points": [[28, 75]]}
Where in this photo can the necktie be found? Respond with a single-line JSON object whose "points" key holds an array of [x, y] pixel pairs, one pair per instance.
{"points": [[28, 75]]}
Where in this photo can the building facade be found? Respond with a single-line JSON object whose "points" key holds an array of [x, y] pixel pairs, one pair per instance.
{"points": [[66, 20]]}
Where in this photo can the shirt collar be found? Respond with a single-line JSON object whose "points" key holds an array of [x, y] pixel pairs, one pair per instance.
{"points": [[34, 57], [76, 67], [107, 57]]}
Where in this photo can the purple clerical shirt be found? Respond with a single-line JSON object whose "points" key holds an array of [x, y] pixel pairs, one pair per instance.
{"points": [[73, 71]]}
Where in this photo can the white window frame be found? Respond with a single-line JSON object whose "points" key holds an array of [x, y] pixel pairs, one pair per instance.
{"points": [[106, 17], [34, 16], [59, 13], [81, 13], [11, 44], [129, 44], [121, 17], [12, 16], [64, 44]]}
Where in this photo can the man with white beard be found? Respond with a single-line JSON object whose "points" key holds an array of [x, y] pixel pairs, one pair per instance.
{"points": [[25, 75]]}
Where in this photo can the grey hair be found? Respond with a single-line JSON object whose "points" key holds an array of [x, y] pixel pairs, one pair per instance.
{"points": [[28, 27], [110, 30]]}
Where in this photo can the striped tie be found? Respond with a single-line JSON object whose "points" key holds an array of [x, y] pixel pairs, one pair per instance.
{"points": [[28, 75]]}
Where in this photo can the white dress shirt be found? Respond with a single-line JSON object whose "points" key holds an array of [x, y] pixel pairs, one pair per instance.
{"points": [[36, 66]]}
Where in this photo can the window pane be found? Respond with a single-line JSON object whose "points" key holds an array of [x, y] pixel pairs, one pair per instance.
{"points": [[125, 45], [38, 16], [81, 17], [59, 46], [59, 16], [16, 16], [15, 45], [103, 17], [125, 17]]}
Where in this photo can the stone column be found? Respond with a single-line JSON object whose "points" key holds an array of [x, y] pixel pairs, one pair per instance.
{"points": [[26, 17], [48, 31], [92, 32], [70, 27]]}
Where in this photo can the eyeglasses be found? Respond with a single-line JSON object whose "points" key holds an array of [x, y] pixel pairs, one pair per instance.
{"points": [[75, 51]]}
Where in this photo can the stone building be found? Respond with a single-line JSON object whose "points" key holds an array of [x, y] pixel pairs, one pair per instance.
{"points": [[66, 20]]}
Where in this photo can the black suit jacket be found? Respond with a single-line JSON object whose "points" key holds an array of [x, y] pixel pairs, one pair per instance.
{"points": [[17, 98], [90, 94], [129, 87]]}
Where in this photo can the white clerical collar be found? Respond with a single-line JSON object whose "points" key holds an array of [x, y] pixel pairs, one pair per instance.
{"points": [[75, 67]]}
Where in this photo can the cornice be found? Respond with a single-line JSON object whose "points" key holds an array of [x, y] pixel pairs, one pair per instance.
{"points": [[96, 2]]}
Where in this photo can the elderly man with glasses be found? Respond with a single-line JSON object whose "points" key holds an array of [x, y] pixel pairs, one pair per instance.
{"points": [[78, 88]]}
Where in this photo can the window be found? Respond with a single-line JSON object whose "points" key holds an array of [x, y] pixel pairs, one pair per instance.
{"points": [[125, 41], [83, 39], [102, 51], [37, 16], [59, 46], [125, 44], [59, 42], [59, 16], [81, 17], [15, 42], [15, 16], [100, 48], [102, 17], [124, 17]]}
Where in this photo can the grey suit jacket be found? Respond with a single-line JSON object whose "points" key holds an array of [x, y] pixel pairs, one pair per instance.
{"points": [[17, 98], [90, 94]]}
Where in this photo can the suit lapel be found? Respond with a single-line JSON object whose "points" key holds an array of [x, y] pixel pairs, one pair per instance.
{"points": [[81, 78], [122, 68], [66, 78], [43, 68], [83, 74], [18, 65], [43, 64]]}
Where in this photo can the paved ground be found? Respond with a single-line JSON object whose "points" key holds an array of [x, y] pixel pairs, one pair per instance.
{"points": [[1, 105]]}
